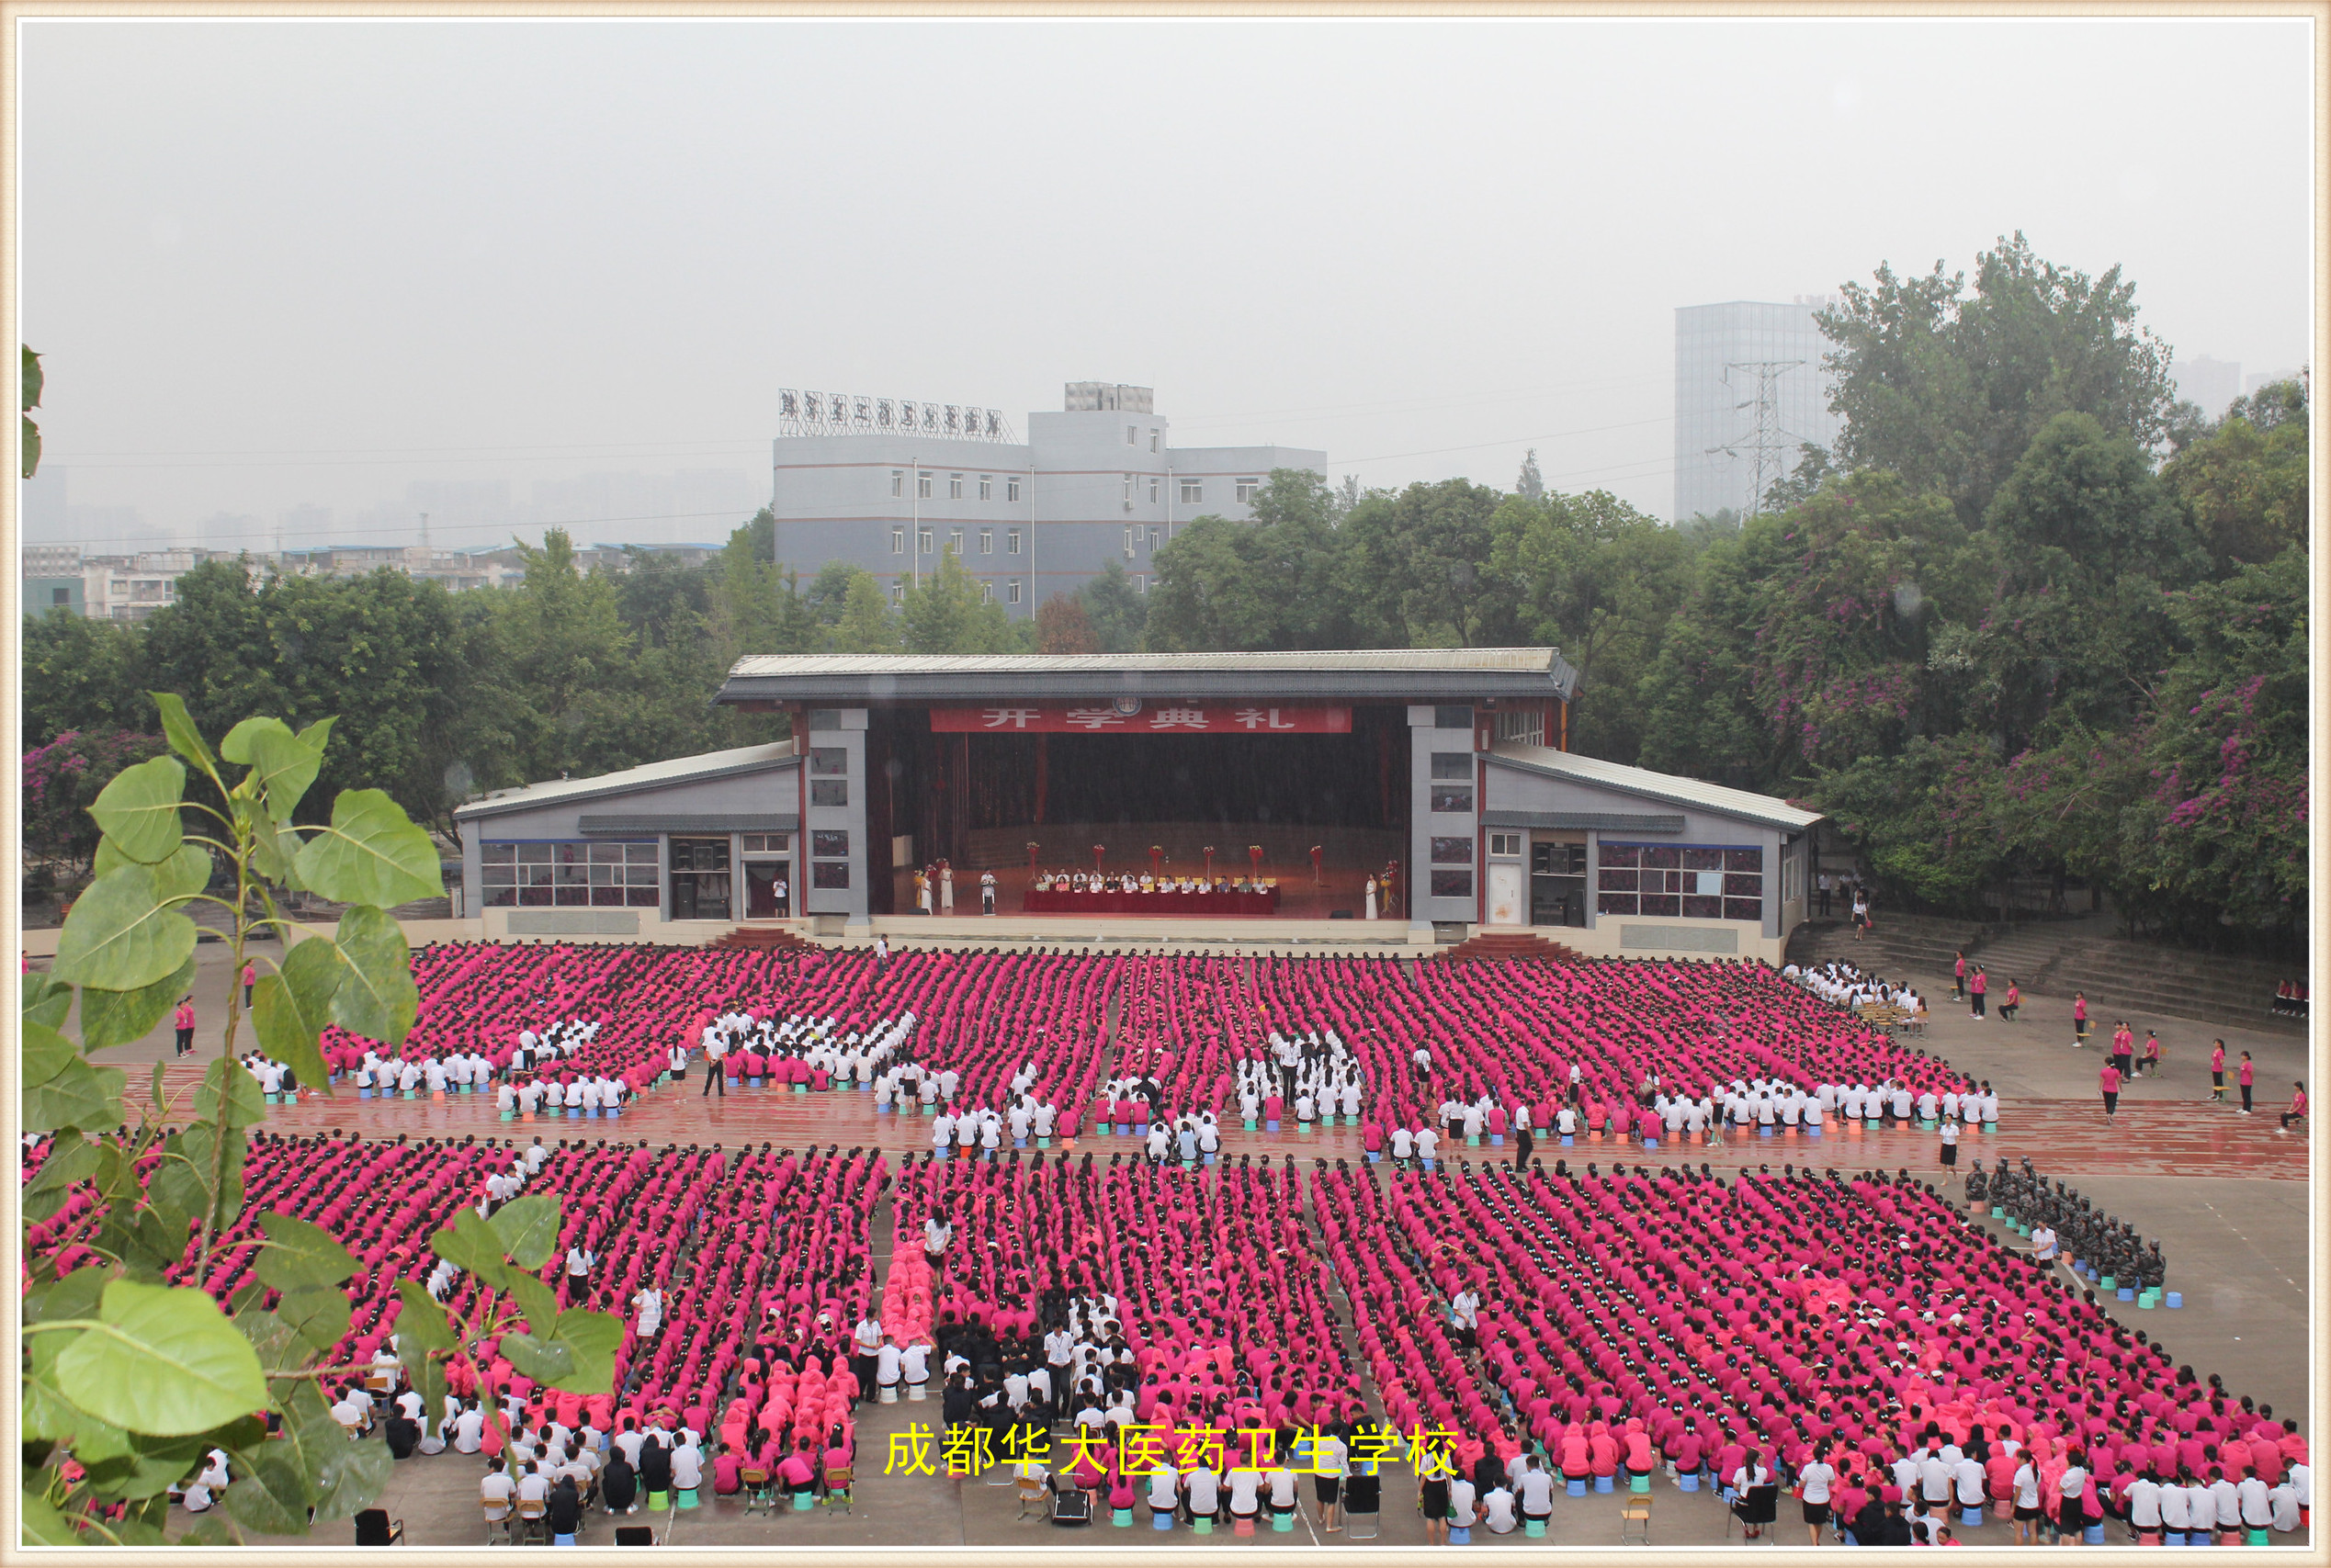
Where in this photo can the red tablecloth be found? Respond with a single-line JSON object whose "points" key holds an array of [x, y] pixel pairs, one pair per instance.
{"points": [[1190, 905]]}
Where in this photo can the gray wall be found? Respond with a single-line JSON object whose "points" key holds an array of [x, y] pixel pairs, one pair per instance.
{"points": [[833, 501], [1425, 737], [842, 728]]}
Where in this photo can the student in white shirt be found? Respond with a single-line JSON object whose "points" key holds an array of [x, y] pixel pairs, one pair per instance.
{"points": [[1815, 1480], [1498, 1510]]}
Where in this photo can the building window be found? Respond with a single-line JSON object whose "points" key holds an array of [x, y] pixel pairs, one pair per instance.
{"points": [[923, 542], [1527, 727], [1453, 797], [829, 843], [987, 487], [1194, 492], [829, 792], [1558, 860], [1132, 436], [1452, 851], [1153, 441], [1705, 881], [955, 487], [1129, 489], [768, 843], [830, 873], [1012, 542], [573, 874], [899, 590], [898, 541], [986, 591], [1012, 591], [1153, 490], [1142, 583], [955, 543], [897, 481], [922, 485], [1247, 489], [1452, 719], [1011, 489], [987, 541], [1153, 539], [59, 595], [1453, 885], [1452, 765], [1507, 845], [700, 880], [1128, 544], [829, 761]]}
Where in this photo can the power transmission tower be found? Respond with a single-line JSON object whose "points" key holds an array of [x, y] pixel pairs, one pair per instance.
{"points": [[1768, 444]]}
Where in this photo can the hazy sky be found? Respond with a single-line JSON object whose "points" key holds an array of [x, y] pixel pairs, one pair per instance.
{"points": [[276, 262]]}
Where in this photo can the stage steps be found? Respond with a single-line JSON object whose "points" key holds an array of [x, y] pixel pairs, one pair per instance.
{"points": [[1507, 946], [759, 938]]}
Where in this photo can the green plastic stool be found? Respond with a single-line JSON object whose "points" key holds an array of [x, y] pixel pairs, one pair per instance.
{"points": [[1249, 1123], [804, 1501], [659, 1501], [1638, 1483], [1473, 1139], [687, 1497], [1203, 1525], [1282, 1524], [509, 1116], [1121, 1518], [1534, 1527], [2108, 1283]]}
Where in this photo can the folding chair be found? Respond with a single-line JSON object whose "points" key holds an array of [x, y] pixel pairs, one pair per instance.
{"points": [[838, 1485], [1360, 1526], [374, 1528], [1634, 1520], [1033, 1489], [498, 1523], [759, 1496], [534, 1521]]}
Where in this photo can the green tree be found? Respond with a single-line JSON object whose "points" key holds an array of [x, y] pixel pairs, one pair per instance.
{"points": [[828, 591], [62, 778], [2244, 483], [1415, 568], [1947, 388], [81, 674], [1532, 484], [945, 613], [1271, 584], [866, 625], [1062, 626], [1119, 616]]}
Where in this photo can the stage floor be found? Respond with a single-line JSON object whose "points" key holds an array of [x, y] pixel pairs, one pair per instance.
{"points": [[1338, 894]]}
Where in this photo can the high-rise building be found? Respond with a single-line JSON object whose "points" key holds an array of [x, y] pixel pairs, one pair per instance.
{"points": [[892, 485], [1750, 395], [2208, 384], [2260, 379]]}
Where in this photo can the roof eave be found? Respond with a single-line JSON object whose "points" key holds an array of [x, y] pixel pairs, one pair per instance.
{"points": [[1797, 821], [504, 805]]}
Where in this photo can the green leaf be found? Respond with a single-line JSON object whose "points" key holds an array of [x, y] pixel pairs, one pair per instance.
{"points": [[121, 1018], [429, 1377], [184, 738], [71, 1159], [236, 745], [41, 1522], [81, 1096], [33, 380], [537, 1301], [423, 1322], [542, 1361], [290, 1008], [340, 1476], [299, 1253], [273, 849], [184, 874], [200, 1142], [528, 1227], [208, 1530], [377, 996], [147, 1467], [275, 1342], [593, 1337], [317, 1313], [46, 1054], [318, 734], [270, 1492], [246, 1103], [168, 1363], [285, 766], [45, 1000], [372, 853], [120, 936], [139, 810], [469, 1243], [178, 1191], [75, 1295]]}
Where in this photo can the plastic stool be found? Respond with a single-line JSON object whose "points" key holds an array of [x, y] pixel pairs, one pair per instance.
{"points": [[1568, 1140], [362, 1093], [2126, 1295], [1496, 1140], [1124, 1129], [1688, 1481], [1473, 1139], [1203, 1524], [1163, 1521], [1604, 1483], [1121, 1518], [687, 1497], [1242, 1524], [752, 1083], [2254, 1538], [918, 1391], [1282, 1524], [1970, 1517], [509, 1116], [659, 1501], [1534, 1527], [804, 1501], [2173, 1538], [2148, 1299], [1247, 1123], [1044, 1143], [1460, 1535], [562, 1540], [1271, 1124], [890, 1393], [2173, 1301], [2108, 1284], [1639, 1484], [1575, 1486], [2092, 1536]]}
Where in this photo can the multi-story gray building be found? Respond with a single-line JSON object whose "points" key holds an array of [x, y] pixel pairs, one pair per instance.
{"points": [[879, 485], [1749, 397], [2208, 384]]}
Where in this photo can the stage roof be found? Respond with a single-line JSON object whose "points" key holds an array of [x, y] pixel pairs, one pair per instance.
{"points": [[630, 781], [1382, 675], [1668, 788]]}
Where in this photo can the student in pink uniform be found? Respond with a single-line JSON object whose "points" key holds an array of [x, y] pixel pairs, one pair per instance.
{"points": [[2246, 1075], [2080, 1020], [2217, 1071], [2108, 1080], [2298, 1110]]}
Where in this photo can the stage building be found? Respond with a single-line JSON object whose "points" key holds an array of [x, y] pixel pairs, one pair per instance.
{"points": [[1439, 780]]}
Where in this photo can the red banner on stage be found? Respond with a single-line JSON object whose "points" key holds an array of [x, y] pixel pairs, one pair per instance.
{"points": [[1131, 715]]}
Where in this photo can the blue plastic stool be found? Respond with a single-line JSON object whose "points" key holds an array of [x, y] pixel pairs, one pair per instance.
{"points": [[1764, 1132], [1813, 1130], [1459, 1535], [1688, 1481], [562, 1540], [1650, 1143], [2125, 1294], [1271, 1124], [1605, 1484], [1163, 1521], [1374, 1157], [2092, 1536], [1496, 1140], [1568, 1140], [752, 1083], [2173, 1301], [362, 1093], [1124, 1129], [939, 1153], [1970, 1517], [1575, 1486]]}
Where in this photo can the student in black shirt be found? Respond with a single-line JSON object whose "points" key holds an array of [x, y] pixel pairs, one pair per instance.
{"points": [[655, 1465], [566, 1508], [404, 1437], [619, 1483]]}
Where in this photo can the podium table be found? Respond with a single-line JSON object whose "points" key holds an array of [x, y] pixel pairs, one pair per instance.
{"points": [[1185, 905]]}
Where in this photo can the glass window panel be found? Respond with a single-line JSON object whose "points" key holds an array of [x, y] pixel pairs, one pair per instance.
{"points": [[571, 875], [498, 875], [499, 897], [1453, 718], [498, 855], [568, 893], [1661, 903], [1609, 881], [569, 854], [1614, 903], [1452, 851], [1665, 856], [1743, 910], [534, 854], [534, 876], [1736, 886], [610, 897], [830, 841], [1703, 860], [606, 854], [831, 761], [606, 876], [1702, 908], [1447, 799], [1744, 860], [536, 896], [640, 898], [640, 855], [640, 875], [829, 792], [1622, 854], [1452, 765], [1453, 885], [830, 873]]}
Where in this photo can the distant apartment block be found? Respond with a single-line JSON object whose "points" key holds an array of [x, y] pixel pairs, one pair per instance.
{"points": [[2208, 384], [895, 485]]}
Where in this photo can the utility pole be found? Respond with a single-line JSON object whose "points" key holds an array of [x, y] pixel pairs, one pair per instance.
{"points": [[1769, 445]]}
